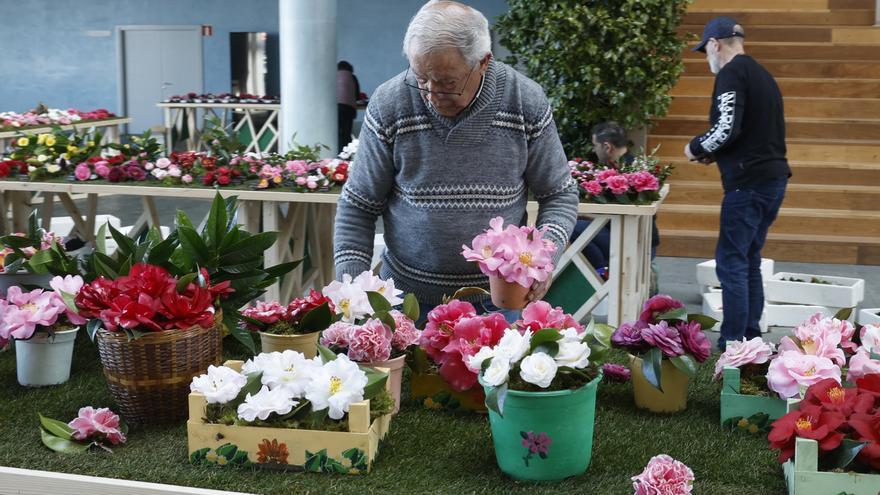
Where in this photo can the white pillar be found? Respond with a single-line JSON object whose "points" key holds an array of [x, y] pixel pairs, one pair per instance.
{"points": [[307, 34]]}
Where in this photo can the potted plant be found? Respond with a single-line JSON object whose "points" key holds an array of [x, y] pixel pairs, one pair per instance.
{"points": [[513, 258], [540, 382], [830, 440], [294, 326], [283, 410], [44, 327], [747, 404], [31, 258], [665, 345], [636, 183], [154, 333]]}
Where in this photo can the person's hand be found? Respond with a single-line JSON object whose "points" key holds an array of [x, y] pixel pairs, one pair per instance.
{"points": [[687, 152], [539, 290], [706, 160]]}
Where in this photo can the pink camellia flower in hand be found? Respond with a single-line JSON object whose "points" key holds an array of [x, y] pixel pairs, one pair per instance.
{"points": [[337, 335], [541, 314], [664, 337], [82, 172], [97, 425], [529, 257], [664, 476], [486, 250], [370, 342], [405, 331], [738, 354], [792, 370], [860, 365]]}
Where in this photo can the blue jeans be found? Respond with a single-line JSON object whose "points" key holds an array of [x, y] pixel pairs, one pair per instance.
{"points": [[746, 216], [483, 307]]}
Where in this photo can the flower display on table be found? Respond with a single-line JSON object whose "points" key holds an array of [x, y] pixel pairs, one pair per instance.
{"points": [[349, 150], [43, 116], [288, 390], [193, 97], [11, 168], [664, 475], [636, 183], [52, 154], [92, 427], [845, 421], [22, 313]]}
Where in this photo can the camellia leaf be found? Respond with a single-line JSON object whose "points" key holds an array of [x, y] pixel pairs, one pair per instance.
{"points": [[495, 398], [685, 364], [674, 314], [192, 242], [375, 382], [39, 261], [215, 227], [317, 319], [93, 326], [252, 386], [386, 318], [62, 445], [549, 348], [843, 455], [544, 336], [411, 307], [184, 281], [467, 292], [241, 335], [124, 244], [706, 322], [378, 302], [326, 354], [844, 314], [283, 268], [651, 365], [55, 427], [69, 301]]}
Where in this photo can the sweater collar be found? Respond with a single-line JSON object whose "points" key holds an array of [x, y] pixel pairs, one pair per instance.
{"points": [[485, 95]]}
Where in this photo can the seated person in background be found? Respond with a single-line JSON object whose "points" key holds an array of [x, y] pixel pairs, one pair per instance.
{"points": [[610, 148]]}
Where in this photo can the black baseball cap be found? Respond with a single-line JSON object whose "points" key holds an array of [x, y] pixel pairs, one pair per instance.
{"points": [[718, 28]]}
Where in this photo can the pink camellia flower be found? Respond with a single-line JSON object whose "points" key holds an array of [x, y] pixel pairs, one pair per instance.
{"points": [[833, 325], [529, 256], [664, 337], [70, 284], [82, 172], [593, 187], [658, 305], [97, 425], [617, 184], [817, 339], [337, 334], [312, 184], [468, 336], [643, 181], [297, 167], [664, 476], [267, 313], [25, 311], [870, 337], [860, 365], [738, 354], [102, 170], [486, 250], [604, 175], [405, 331], [791, 370], [441, 322], [541, 314], [163, 162], [300, 181], [370, 342], [187, 179], [694, 340], [616, 372]]}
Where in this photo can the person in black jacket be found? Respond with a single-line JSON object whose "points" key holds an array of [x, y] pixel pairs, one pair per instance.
{"points": [[747, 140]]}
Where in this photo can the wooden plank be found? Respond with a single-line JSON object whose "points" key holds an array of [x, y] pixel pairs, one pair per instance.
{"points": [[78, 126], [31, 482]]}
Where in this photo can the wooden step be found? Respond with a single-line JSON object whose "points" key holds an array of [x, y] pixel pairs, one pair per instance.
{"points": [[856, 35], [800, 5], [795, 127], [803, 221], [833, 197], [827, 88], [851, 4], [811, 150], [811, 248], [748, 18], [814, 34], [802, 68], [766, 51], [803, 172], [835, 108]]}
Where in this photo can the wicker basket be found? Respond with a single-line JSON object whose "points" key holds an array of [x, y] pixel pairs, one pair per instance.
{"points": [[150, 377]]}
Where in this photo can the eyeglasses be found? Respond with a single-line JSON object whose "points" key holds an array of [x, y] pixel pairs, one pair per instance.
{"points": [[416, 86]]}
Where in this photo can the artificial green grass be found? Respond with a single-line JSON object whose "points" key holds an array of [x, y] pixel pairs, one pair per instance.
{"points": [[426, 451]]}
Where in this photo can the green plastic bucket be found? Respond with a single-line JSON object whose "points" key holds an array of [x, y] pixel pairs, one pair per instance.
{"points": [[545, 436]]}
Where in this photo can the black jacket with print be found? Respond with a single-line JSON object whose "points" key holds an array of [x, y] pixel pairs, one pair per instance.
{"points": [[747, 137]]}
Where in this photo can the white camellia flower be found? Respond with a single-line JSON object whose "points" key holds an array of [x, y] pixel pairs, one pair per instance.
{"points": [[288, 370], [42, 158], [371, 283], [220, 385], [871, 338], [349, 298], [571, 335], [264, 403], [475, 362], [573, 354], [497, 372], [513, 345], [53, 168], [337, 385], [538, 369]]}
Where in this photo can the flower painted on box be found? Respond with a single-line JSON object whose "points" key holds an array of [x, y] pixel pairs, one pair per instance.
{"points": [[536, 443], [272, 452], [225, 455]]}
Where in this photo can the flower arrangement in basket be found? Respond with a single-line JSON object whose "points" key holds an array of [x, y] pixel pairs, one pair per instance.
{"points": [[539, 377], [636, 183], [845, 421], [666, 344], [276, 395], [514, 259]]}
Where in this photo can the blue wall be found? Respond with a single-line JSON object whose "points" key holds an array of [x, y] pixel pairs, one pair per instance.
{"points": [[47, 55]]}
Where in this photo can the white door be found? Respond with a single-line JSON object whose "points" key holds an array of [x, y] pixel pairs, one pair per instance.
{"points": [[157, 62]]}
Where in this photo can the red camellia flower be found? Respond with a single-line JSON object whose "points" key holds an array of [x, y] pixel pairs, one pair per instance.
{"points": [[810, 422], [208, 178], [194, 307], [300, 307], [870, 384], [223, 180], [658, 305], [209, 162], [867, 429], [468, 336], [829, 395], [441, 321]]}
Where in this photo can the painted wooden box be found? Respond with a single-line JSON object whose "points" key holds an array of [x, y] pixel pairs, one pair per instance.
{"points": [[351, 452], [746, 411]]}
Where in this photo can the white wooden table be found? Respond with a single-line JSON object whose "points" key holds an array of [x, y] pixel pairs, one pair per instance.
{"points": [[190, 118], [110, 127]]}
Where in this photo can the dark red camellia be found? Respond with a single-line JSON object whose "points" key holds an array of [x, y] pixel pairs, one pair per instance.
{"points": [[300, 307], [656, 306], [829, 395], [809, 422], [147, 299], [870, 384], [694, 340], [867, 429]]}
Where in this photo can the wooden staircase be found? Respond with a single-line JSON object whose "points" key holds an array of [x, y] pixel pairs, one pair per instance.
{"points": [[825, 55]]}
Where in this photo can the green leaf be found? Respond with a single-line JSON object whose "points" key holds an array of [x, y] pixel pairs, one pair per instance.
{"points": [[378, 302], [242, 268], [844, 314], [124, 244], [57, 428], [184, 281], [495, 399], [386, 318], [411, 307], [161, 252], [317, 319], [183, 221], [194, 245], [685, 364], [283, 268], [252, 386], [62, 445], [843, 455], [92, 327], [326, 354], [69, 301], [240, 334], [249, 248], [675, 314], [39, 261], [706, 322], [651, 366], [15, 241], [544, 336], [101, 239], [549, 348], [215, 227], [375, 383]]}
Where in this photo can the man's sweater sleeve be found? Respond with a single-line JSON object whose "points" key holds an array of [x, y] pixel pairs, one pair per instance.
{"points": [[549, 178], [730, 102], [364, 197]]}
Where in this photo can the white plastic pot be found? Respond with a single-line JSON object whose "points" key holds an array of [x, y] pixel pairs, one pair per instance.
{"points": [[43, 360]]}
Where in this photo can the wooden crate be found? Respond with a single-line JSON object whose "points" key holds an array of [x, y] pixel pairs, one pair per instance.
{"points": [[844, 293], [351, 452], [736, 406]]}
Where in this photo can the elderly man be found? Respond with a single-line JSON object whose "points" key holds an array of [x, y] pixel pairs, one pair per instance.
{"points": [[747, 139], [455, 140]]}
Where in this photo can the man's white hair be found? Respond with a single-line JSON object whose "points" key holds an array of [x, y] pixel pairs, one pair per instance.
{"points": [[441, 24]]}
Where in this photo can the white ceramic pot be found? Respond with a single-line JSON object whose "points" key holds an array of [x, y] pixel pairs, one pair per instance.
{"points": [[43, 360]]}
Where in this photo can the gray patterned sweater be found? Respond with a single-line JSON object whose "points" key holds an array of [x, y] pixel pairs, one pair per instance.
{"points": [[437, 182]]}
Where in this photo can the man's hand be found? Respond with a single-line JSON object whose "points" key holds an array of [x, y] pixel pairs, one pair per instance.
{"points": [[539, 290], [687, 152]]}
